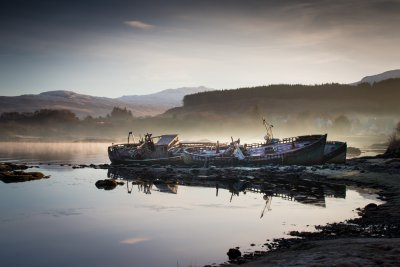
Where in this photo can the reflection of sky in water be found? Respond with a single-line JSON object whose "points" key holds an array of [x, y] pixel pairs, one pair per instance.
{"points": [[67, 221], [80, 153]]}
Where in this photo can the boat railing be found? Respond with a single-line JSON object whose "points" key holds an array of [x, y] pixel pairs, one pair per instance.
{"points": [[283, 141], [116, 146], [200, 144], [288, 140], [267, 156], [254, 145]]}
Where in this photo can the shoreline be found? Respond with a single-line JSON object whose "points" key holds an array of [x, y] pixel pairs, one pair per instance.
{"points": [[369, 240]]}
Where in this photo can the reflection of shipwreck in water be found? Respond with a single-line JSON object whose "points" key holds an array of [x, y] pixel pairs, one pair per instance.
{"points": [[166, 187], [304, 191], [300, 190], [147, 186]]}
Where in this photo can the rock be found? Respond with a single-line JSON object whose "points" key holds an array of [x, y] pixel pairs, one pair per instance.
{"points": [[21, 176], [234, 253], [5, 168], [107, 184], [104, 166], [12, 167], [371, 206]]}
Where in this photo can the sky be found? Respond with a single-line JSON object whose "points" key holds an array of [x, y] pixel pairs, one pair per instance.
{"points": [[115, 48]]}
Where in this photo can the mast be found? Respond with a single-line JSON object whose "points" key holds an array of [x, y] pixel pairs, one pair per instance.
{"points": [[269, 136]]}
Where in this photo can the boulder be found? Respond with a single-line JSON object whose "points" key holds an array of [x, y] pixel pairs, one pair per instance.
{"points": [[107, 184], [21, 176], [234, 253]]}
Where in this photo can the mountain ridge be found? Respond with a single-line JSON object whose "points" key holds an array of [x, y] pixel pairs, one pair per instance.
{"points": [[141, 105], [84, 105], [390, 74]]}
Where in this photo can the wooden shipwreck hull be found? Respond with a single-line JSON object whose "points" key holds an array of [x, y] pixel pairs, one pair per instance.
{"points": [[310, 153], [335, 152], [300, 150], [146, 152]]}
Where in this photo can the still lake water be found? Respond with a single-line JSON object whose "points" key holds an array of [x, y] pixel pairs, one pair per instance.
{"points": [[66, 221]]}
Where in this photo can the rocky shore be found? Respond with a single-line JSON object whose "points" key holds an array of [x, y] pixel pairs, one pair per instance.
{"points": [[373, 239], [14, 173]]}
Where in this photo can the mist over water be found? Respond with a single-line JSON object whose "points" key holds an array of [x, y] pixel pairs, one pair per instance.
{"points": [[96, 153], [53, 153]]}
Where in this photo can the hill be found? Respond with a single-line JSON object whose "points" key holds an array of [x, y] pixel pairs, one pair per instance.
{"points": [[83, 105], [391, 74], [168, 98], [378, 98]]}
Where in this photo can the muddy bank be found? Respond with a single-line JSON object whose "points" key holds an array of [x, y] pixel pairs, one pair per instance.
{"points": [[335, 252], [370, 240]]}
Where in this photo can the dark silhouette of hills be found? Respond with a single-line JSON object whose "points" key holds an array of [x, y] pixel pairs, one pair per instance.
{"points": [[377, 98], [391, 74], [84, 105]]}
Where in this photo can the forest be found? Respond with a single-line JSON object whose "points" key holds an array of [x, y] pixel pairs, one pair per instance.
{"points": [[378, 98]]}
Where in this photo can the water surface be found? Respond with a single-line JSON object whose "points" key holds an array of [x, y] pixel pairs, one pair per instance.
{"points": [[67, 221]]}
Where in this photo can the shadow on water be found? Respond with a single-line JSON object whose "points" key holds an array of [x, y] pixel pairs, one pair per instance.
{"points": [[303, 191]]}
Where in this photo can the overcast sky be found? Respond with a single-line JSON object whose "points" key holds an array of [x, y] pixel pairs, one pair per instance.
{"points": [[114, 48]]}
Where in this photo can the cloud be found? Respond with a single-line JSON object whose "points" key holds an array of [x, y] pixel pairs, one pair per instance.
{"points": [[139, 25], [134, 240]]}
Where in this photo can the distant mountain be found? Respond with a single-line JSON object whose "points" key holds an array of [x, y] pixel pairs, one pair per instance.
{"points": [[80, 104], [83, 105], [391, 74], [168, 98]]}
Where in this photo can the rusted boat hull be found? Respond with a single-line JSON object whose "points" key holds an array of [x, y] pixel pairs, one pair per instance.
{"points": [[309, 155], [146, 152], [335, 152], [122, 157]]}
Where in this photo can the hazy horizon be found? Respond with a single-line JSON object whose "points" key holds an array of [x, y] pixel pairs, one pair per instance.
{"points": [[115, 48]]}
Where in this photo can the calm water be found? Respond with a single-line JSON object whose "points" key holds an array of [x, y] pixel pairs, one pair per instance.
{"points": [[66, 221]]}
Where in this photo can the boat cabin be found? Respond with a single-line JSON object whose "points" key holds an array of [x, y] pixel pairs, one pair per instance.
{"points": [[164, 143]]}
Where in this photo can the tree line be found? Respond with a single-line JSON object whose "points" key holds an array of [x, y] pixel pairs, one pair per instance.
{"points": [[378, 97]]}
